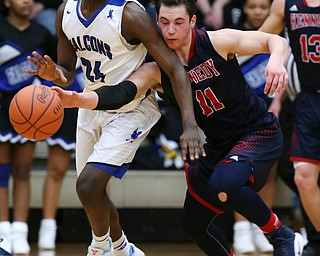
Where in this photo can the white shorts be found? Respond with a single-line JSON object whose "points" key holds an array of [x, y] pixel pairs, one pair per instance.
{"points": [[114, 138]]}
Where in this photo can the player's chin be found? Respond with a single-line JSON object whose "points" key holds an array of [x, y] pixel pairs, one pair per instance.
{"points": [[172, 44]]}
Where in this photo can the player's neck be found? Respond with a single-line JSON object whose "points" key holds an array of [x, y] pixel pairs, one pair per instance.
{"points": [[183, 52], [89, 7], [18, 22]]}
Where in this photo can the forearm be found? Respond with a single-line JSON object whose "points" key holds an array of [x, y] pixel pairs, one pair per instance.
{"points": [[183, 93], [278, 47], [103, 98], [88, 100]]}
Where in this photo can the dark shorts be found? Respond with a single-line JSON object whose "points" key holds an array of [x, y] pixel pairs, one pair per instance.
{"points": [[64, 137], [305, 143], [261, 148]]}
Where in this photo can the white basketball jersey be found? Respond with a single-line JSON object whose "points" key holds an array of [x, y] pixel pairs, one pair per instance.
{"points": [[106, 58]]}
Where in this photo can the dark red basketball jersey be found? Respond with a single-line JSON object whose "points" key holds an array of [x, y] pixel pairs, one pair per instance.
{"points": [[225, 106]]}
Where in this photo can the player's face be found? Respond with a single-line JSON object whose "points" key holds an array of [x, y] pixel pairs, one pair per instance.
{"points": [[175, 26], [19, 8], [256, 12]]}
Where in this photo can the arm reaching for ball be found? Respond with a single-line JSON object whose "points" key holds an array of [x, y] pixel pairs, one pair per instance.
{"points": [[103, 98]]}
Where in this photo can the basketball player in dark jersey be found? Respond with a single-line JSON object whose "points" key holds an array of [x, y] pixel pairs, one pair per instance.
{"points": [[301, 19], [243, 140]]}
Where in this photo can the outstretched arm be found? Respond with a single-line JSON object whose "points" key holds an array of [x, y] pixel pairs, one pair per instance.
{"points": [[231, 42], [115, 96]]}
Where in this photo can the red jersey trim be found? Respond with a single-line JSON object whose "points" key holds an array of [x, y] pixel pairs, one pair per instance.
{"points": [[196, 196], [192, 45], [302, 159]]}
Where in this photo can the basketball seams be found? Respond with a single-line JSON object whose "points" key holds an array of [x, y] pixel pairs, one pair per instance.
{"points": [[44, 111], [44, 132], [20, 112], [36, 113]]}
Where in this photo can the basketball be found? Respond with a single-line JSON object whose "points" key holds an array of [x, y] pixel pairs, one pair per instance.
{"points": [[36, 112]]}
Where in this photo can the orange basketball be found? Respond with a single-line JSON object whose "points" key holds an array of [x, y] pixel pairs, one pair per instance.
{"points": [[36, 112]]}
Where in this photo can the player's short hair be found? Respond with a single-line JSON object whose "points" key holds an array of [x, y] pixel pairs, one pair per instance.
{"points": [[190, 5]]}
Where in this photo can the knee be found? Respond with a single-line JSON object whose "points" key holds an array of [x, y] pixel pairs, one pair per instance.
{"points": [[304, 182], [22, 173], [57, 174], [221, 189], [85, 188], [223, 197], [91, 186]]}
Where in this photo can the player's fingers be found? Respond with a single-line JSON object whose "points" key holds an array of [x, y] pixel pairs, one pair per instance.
{"points": [[286, 81], [33, 61], [31, 72], [57, 89], [201, 149], [191, 156], [187, 150], [267, 86], [38, 57], [184, 152], [192, 153], [61, 74], [197, 148], [48, 60], [274, 85], [281, 85]]}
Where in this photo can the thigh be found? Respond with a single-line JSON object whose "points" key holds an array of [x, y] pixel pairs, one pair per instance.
{"points": [[87, 136], [121, 137], [262, 148], [305, 143], [113, 138]]}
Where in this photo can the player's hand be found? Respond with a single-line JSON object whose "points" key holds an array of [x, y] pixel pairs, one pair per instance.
{"points": [[276, 76], [191, 144], [46, 68], [69, 98]]}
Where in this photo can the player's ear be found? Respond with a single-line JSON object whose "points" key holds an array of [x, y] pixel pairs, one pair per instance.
{"points": [[193, 21]]}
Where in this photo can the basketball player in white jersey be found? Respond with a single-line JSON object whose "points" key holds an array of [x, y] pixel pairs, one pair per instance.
{"points": [[111, 38]]}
